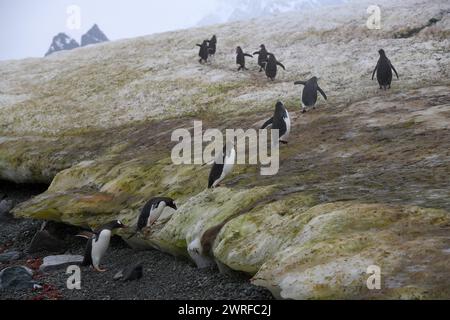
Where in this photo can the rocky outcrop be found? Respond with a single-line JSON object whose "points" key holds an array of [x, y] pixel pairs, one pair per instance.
{"points": [[93, 36], [363, 181], [62, 42]]}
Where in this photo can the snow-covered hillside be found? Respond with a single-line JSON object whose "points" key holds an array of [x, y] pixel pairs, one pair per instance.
{"points": [[362, 182]]}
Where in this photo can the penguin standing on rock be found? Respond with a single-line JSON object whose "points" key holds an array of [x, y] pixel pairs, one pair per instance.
{"points": [[262, 57], [223, 165], [98, 243], [240, 58], [152, 211], [204, 51], [271, 67], [309, 97], [384, 71], [280, 121]]}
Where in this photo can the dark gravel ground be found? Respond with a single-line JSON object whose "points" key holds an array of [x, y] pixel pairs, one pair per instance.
{"points": [[165, 277]]}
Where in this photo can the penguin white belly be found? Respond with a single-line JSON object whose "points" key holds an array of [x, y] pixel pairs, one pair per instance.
{"points": [[100, 247], [287, 120], [196, 253], [155, 214], [227, 167]]}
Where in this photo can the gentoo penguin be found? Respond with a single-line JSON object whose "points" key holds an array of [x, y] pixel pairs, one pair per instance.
{"points": [[262, 57], [280, 121], [98, 244], [271, 67], [240, 58], [384, 71], [212, 46], [223, 165], [151, 212], [309, 97], [204, 51]]}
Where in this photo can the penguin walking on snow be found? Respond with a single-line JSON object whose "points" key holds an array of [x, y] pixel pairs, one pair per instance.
{"points": [[272, 67], [280, 121], [309, 97], [212, 46], [384, 71], [223, 165], [152, 211], [204, 51], [98, 243], [240, 58], [263, 56]]}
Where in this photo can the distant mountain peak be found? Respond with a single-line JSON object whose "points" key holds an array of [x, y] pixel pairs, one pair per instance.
{"points": [[93, 36], [62, 42], [239, 10]]}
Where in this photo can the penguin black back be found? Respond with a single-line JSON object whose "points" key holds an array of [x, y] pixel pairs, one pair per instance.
{"points": [[149, 207], [384, 71], [212, 47], [309, 96], [204, 51], [272, 67], [240, 58], [262, 57]]}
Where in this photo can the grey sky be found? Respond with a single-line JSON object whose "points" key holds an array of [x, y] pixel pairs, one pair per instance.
{"points": [[28, 26]]}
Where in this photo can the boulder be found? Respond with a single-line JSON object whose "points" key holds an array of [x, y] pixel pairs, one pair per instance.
{"points": [[10, 256], [52, 263], [43, 241], [5, 207], [17, 278]]}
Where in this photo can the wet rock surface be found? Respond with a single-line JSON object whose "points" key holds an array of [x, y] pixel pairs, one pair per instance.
{"points": [[163, 276]]}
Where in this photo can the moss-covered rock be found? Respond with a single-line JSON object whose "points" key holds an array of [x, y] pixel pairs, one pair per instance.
{"points": [[329, 256]]}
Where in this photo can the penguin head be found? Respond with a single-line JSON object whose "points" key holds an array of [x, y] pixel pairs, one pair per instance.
{"points": [[238, 50], [279, 107], [171, 203], [382, 53], [118, 225], [263, 47], [314, 79]]}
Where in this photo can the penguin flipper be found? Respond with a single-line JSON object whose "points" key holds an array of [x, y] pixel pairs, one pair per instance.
{"points": [[281, 65], [394, 71], [248, 55], [322, 93], [267, 123], [85, 235], [373, 74], [300, 82], [257, 52]]}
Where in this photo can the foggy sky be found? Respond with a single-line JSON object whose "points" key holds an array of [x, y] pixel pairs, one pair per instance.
{"points": [[28, 26]]}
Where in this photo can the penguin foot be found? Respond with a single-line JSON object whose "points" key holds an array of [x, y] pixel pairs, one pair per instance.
{"points": [[100, 270], [303, 111]]}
